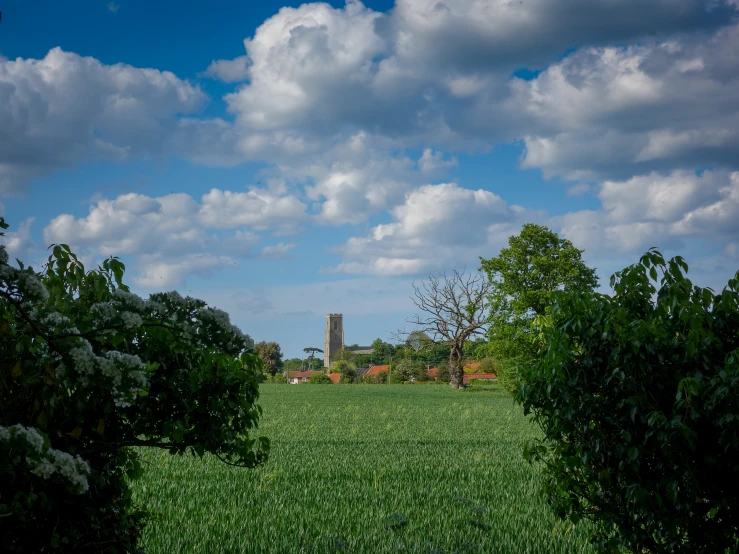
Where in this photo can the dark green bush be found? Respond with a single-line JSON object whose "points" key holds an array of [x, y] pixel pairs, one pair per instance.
{"points": [[638, 398]]}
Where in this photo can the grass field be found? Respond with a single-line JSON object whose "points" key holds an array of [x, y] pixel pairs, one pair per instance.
{"points": [[363, 469]]}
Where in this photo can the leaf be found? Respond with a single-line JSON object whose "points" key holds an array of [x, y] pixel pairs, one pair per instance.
{"points": [[76, 433], [100, 427], [17, 371], [633, 453]]}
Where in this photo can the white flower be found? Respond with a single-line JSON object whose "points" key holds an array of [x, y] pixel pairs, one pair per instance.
{"points": [[131, 320], [31, 287], [4, 433], [54, 318], [32, 437], [129, 299], [84, 358]]}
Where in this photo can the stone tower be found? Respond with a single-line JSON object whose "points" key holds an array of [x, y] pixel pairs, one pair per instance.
{"points": [[334, 337]]}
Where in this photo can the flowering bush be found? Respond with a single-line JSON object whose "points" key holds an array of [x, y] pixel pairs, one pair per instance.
{"points": [[88, 371]]}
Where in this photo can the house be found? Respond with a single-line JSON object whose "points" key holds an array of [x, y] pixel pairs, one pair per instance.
{"points": [[375, 369], [296, 377]]}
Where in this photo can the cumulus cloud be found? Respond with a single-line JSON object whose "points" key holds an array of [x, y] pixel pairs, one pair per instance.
{"points": [[165, 274], [437, 225], [276, 251], [615, 112], [658, 210], [18, 242], [174, 236], [64, 109], [229, 71]]}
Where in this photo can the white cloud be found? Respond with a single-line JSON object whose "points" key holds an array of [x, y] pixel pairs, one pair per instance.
{"points": [[258, 209], [436, 226], [19, 242], [113, 7], [229, 71], [174, 236], [162, 274], [615, 112], [657, 210], [276, 251], [64, 109]]}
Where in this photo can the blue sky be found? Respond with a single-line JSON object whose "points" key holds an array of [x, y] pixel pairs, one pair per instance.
{"points": [[286, 160]]}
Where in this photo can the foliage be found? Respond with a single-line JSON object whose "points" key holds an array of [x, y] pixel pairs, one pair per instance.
{"points": [[524, 279], [638, 398], [442, 372], [351, 460], [342, 366], [320, 379], [270, 354], [382, 352], [89, 370], [292, 364], [396, 378], [412, 370], [452, 310]]}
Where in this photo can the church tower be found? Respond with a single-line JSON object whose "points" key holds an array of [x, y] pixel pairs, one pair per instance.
{"points": [[334, 337]]}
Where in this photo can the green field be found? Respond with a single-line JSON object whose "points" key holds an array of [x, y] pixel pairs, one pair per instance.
{"points": [[363, 468]]}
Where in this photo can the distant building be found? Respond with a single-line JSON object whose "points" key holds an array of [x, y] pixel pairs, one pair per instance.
{"points": [[334, 340]]}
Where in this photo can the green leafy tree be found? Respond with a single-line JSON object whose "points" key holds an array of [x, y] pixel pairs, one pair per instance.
{"points": [[452, 310], [382, 352], [320, 379], [524, 278], [88, 372], [412, 370], [292, 364], [270, 354], [638, 398], [347, 370]]}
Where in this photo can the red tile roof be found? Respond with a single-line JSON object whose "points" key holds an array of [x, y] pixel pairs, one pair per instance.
{"points": [[375, 369], [334, 377], [300, 374], [433, 372]]}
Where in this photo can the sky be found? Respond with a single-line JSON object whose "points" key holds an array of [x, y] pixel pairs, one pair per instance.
{"points": [[283, 161]]}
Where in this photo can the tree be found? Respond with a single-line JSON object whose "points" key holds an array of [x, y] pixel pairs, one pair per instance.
{"points": [[89, 373], [347, 369], [637, 395], [412, 370], [311, 351], [292, 364], [270, 354], [452, 310], [524, 278], [320, 379], [382, 352]]}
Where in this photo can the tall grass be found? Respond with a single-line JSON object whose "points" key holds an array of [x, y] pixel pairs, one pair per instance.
{"points": [[363, 469]]}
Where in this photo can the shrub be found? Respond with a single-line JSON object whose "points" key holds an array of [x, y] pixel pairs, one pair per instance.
{"points": [[320, 379], [396, 378], [638, 397], [442, 374], [347, 369], [412, 370], [88, 371]]}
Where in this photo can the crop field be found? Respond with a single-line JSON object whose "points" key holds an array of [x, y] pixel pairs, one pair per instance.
{"points": [[363, 469]]}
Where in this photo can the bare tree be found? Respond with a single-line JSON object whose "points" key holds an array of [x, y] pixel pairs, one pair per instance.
{"points": [[452, 310]]}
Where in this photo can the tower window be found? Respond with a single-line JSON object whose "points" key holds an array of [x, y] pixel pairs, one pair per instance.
{"points": [[336, 325]]}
